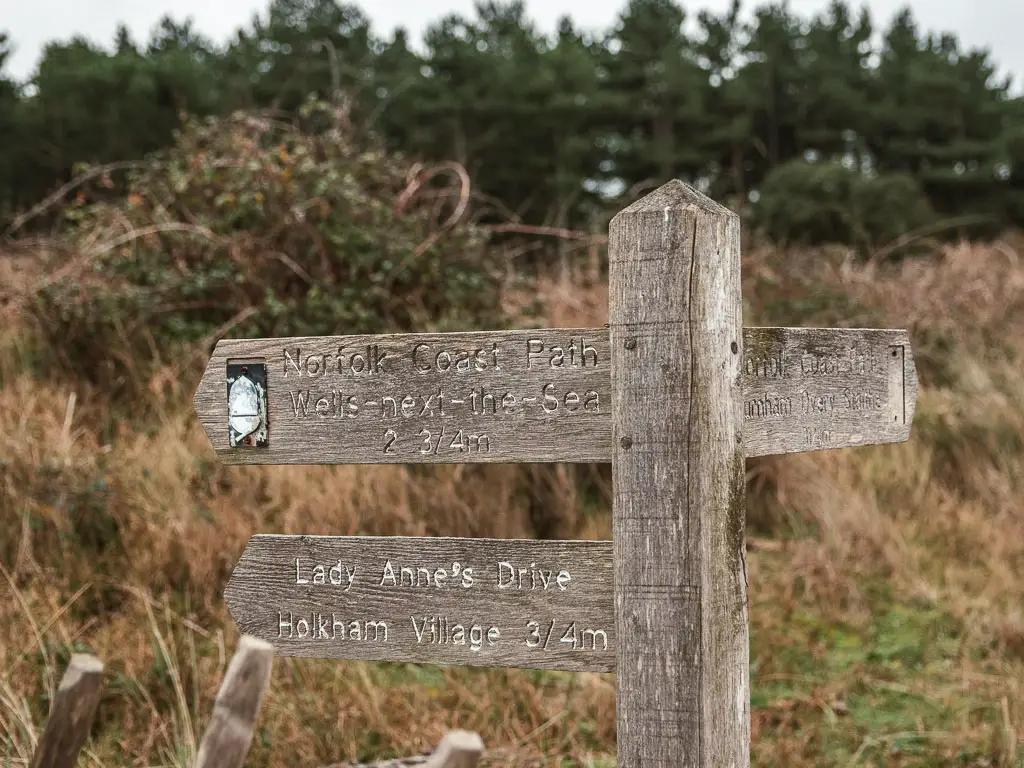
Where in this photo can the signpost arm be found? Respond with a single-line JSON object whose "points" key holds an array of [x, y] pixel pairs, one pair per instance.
{"points": [[678, 479]]}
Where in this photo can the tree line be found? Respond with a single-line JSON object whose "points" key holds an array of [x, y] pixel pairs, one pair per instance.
{"points": [[550, 125]]}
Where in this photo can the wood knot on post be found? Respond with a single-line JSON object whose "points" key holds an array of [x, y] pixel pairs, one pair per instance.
{"points": [[626, 443], [630, 343]]}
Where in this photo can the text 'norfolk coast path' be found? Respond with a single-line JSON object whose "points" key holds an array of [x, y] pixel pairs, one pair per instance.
{"points": [[540, 395]]}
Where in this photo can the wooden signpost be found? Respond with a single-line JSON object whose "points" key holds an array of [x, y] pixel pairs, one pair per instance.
{"points": [[674, 392]]}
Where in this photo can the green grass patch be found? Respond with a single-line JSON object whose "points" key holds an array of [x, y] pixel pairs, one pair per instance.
{"points": [[885, 692]]}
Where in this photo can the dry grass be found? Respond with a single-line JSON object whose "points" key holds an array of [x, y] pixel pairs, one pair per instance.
{"points": [[885, 589]]}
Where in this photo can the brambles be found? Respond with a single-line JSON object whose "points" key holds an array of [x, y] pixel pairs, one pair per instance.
{"points": [[260, 228]]}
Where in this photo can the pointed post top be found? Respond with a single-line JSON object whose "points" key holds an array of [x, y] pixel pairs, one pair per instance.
{"points": [[458, 749], [675, 195]]}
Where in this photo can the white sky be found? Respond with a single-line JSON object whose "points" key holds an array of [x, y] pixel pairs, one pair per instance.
{"points": [[995, 24]]}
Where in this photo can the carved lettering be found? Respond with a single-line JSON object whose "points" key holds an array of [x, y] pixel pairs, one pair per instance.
{"points": [[570, 634], [511, 577], [486, 401], [767, 366], [819, 403], [300, 402], [367, 360], [818, 438], [510, 403], [440, 630], [863, 401], [338, 574], [850, 362], [324, 626], [426, 361], [421, 576], [577, 354], [768, 407], [291, 363]]}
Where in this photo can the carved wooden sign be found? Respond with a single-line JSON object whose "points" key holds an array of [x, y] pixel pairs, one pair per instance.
{"points": [[533, 395], [485, 602], [674, 393]]}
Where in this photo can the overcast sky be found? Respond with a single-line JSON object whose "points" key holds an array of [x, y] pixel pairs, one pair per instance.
{"points": [[995, 24]]}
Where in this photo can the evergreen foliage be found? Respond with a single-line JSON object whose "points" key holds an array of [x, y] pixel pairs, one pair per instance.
{"points": [[548, 125], [815, 203]]}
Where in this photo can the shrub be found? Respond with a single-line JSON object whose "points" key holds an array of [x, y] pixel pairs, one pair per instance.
{"points": [[886, 207], [261, 229], [816, 203]]}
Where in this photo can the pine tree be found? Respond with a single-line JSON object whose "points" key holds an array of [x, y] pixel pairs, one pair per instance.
{"points": [[659, 94]]}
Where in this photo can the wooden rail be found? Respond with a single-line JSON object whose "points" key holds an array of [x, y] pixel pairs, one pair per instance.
{"points": [[228, 736], [458, 749]]}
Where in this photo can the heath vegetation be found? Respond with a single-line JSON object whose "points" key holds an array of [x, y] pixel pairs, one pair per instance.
{"points": [[886, 598], [886, 620]]}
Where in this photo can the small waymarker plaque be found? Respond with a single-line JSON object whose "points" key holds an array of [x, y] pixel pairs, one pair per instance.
{"points": [[247, 404], [484, 602], [530, 396]]}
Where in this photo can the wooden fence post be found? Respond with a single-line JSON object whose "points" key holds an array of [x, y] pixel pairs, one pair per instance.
{"points": [[227, 738], [678, 478], [71, 715]]}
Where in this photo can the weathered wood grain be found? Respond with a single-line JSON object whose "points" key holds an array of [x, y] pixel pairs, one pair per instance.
{"points": [[803, 389], [71, 715], [548, 607], [229, 734], [682, 672], [458, 749], [398, 762]]}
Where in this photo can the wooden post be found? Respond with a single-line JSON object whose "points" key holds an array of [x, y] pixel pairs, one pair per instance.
{"points": [[227, 738], [71, 715], [678, 477]]}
